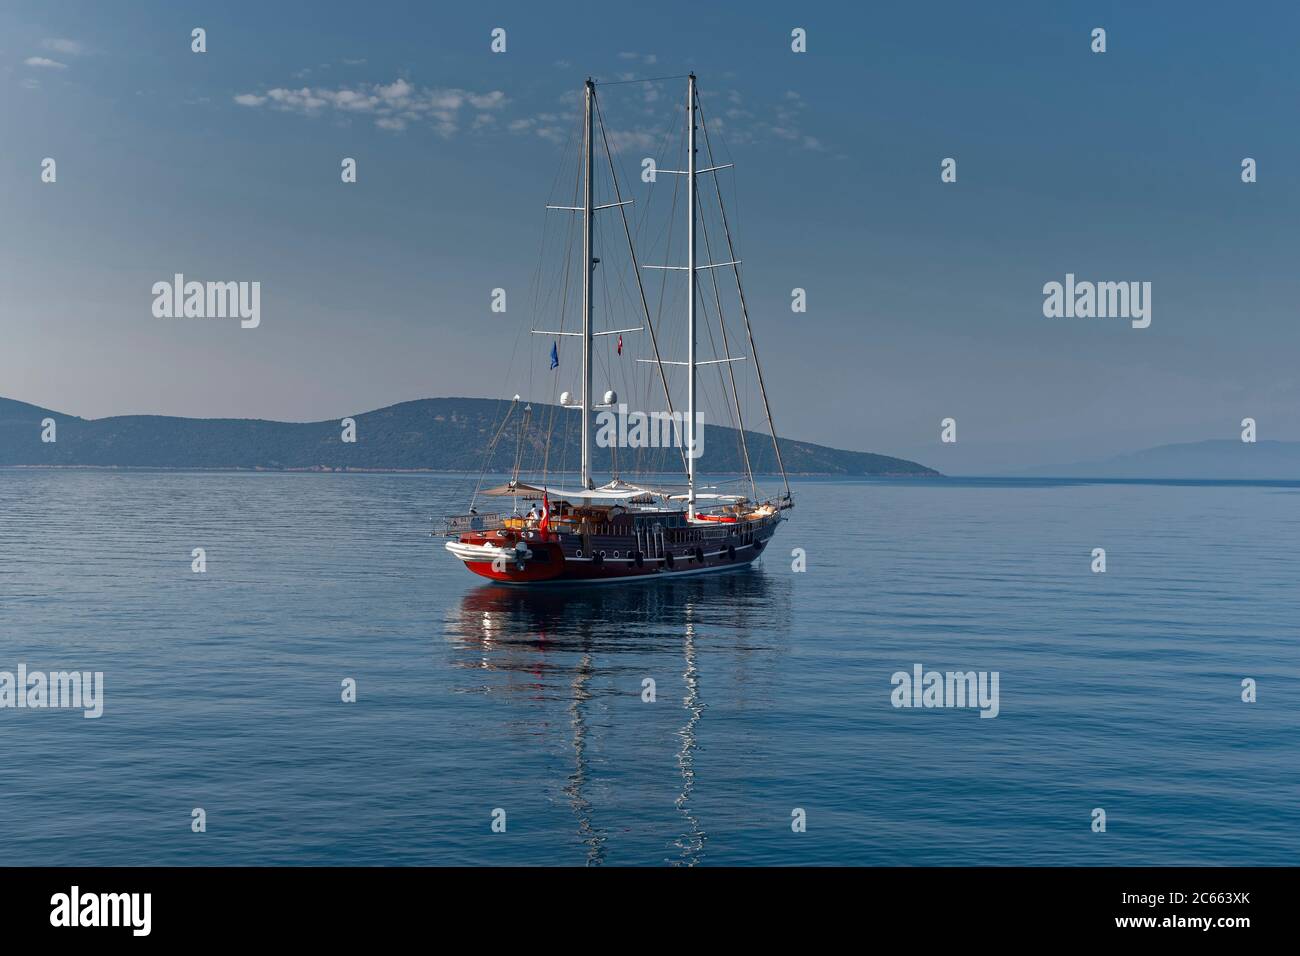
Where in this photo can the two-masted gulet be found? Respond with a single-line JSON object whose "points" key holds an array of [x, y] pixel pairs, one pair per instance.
{"points": [[623, 530]]}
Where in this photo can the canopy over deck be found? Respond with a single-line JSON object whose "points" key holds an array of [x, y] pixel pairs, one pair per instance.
{"points": [[610, 494], [614, 493]]}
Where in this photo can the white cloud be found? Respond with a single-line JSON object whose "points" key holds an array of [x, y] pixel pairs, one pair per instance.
{"points": [[487, 101], [66, 47], [782, 120], [45, 63], [649, 59], [394, 105], [401, 105], [640, 139], [543, 125]]}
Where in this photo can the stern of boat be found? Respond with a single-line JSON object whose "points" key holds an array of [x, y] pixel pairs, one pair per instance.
{"points": [[493, 550]]}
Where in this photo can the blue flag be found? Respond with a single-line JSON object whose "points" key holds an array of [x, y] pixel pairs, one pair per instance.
{"points": [[555, 355]]}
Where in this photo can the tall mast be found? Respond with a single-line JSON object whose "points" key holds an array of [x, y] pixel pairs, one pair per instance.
{"points": [[690, 299], [588, 211]]}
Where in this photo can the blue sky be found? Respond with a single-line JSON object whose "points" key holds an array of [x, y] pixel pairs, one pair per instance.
{"points": [[925, 298]]}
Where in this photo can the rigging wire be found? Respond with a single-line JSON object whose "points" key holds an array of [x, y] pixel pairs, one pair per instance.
{"points": [[563, 312], [744, 310], [617, 294], [654, 342], [491, 447], [738, 419], [647, 79]]}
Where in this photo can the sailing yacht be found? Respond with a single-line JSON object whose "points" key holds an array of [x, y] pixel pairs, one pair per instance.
{"points": [[579, 532]]}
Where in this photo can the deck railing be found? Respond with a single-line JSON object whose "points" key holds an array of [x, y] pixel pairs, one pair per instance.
{"points": [[458, 524]]}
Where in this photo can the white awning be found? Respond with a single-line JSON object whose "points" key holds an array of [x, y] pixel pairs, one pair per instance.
{"points": [[612, 493], [609, 494]]}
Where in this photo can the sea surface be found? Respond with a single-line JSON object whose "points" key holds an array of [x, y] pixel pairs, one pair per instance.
{"points": [[1119, 690]]}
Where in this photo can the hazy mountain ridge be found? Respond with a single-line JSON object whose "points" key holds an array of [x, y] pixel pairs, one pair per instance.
{"points": [[433, 434], [1215, 459]]}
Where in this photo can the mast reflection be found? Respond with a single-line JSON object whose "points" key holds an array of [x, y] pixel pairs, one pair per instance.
{"points": [[580, 645]]}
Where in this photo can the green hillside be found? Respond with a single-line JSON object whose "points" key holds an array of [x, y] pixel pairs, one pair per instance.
{"points": [[435, 434]]}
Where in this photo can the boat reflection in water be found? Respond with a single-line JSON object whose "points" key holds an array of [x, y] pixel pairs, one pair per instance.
{"points": [[582, 655]]}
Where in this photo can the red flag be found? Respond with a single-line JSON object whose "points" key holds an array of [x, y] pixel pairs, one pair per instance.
{"points": [[620, 345], [544, 526]]}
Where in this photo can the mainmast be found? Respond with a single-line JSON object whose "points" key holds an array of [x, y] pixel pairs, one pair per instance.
{"points": [[588, 213], [691, 455]]}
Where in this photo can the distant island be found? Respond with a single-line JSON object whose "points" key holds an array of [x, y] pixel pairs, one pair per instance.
{"points": [[1215, 460], [432, 434]]}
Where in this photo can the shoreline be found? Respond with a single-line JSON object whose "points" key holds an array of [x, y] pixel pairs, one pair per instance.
{"points": [[324, 470]]}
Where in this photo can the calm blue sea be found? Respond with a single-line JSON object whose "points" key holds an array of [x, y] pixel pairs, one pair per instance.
{"points": [[1119, 690]]}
